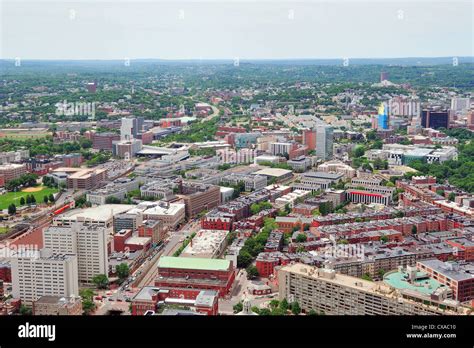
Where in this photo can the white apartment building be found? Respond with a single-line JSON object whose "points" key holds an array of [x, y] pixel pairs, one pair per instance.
{"points": [[322, 290], [338, 167], [43, 273], [324, 141], [88, 242], [280, 148]]}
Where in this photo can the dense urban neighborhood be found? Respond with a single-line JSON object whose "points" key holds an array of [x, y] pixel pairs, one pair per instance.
{"points": [[212, 188]]}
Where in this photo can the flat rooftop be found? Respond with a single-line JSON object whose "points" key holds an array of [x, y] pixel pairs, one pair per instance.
{"points": [[339, 279], [324, 175], [276, 172], [99, 213], [193, 263], [421, 284], [171, 209], [448, 269], [205, 243]]}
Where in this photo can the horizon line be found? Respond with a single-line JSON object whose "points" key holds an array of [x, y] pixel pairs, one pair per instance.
{"points": [[234, 58]]}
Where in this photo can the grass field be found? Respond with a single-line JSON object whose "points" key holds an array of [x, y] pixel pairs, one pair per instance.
{"points": [[14, 197]]}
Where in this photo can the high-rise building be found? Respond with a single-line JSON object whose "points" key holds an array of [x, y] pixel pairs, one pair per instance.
{"points": [[281, 149], [382, 117], [87, 241], [470, 120], [383, 76], [309, 138], [405, 106], [434, 119], [324, 141], [41, 273], [131, 127], [460, 104]]}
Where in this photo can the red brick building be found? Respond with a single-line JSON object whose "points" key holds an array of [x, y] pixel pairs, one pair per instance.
{"points": [[202, 301], [153, 229], [217, 221], [195, 273]]}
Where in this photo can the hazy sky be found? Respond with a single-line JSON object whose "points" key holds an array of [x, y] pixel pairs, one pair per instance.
{"points": [[247, 29]]}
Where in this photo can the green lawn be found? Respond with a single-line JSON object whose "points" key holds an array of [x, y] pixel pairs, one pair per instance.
{"points": [[14, 197], [3, 230]]}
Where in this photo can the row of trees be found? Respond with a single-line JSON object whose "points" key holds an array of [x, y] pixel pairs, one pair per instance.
{"points": [[275, 308], [255, 245], [459, 173], [26, 180]]}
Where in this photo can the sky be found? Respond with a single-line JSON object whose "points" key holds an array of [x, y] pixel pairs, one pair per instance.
{"points": [[230, 29]]}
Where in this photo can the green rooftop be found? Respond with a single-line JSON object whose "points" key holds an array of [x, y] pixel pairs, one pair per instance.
{"points": [[423, 284], [194, 263]]}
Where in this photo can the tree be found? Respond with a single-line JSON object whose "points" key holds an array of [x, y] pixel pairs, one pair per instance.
{"points": [[384, 239], [452, 196], [33, 199], [324, 208], [301, 238], [284, 305], [244, 259], [112, 200], [45, 199], [255, 309], [238, 307], [11, 209], [295, 308], [122, 271], [51, 198], [359, 151], [367, 277], [252, 272], [265, 311], [24, 310], [101, 281], [22, 201], [254, 208], [88, 304], [414, 230], [312, 312], [274, 304]]}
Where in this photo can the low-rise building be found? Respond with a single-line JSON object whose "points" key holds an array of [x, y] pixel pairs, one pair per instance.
{"points": [[195, 273], [206, 244], [58, 305]]}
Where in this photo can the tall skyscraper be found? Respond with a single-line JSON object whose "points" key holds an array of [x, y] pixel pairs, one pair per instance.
{"points": [[460, 105], [87, 241], [324, 141], [383, 122], [309, 138], [434, 119], [43, 273], [131, 127], [405, 106], [383, 76]]}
